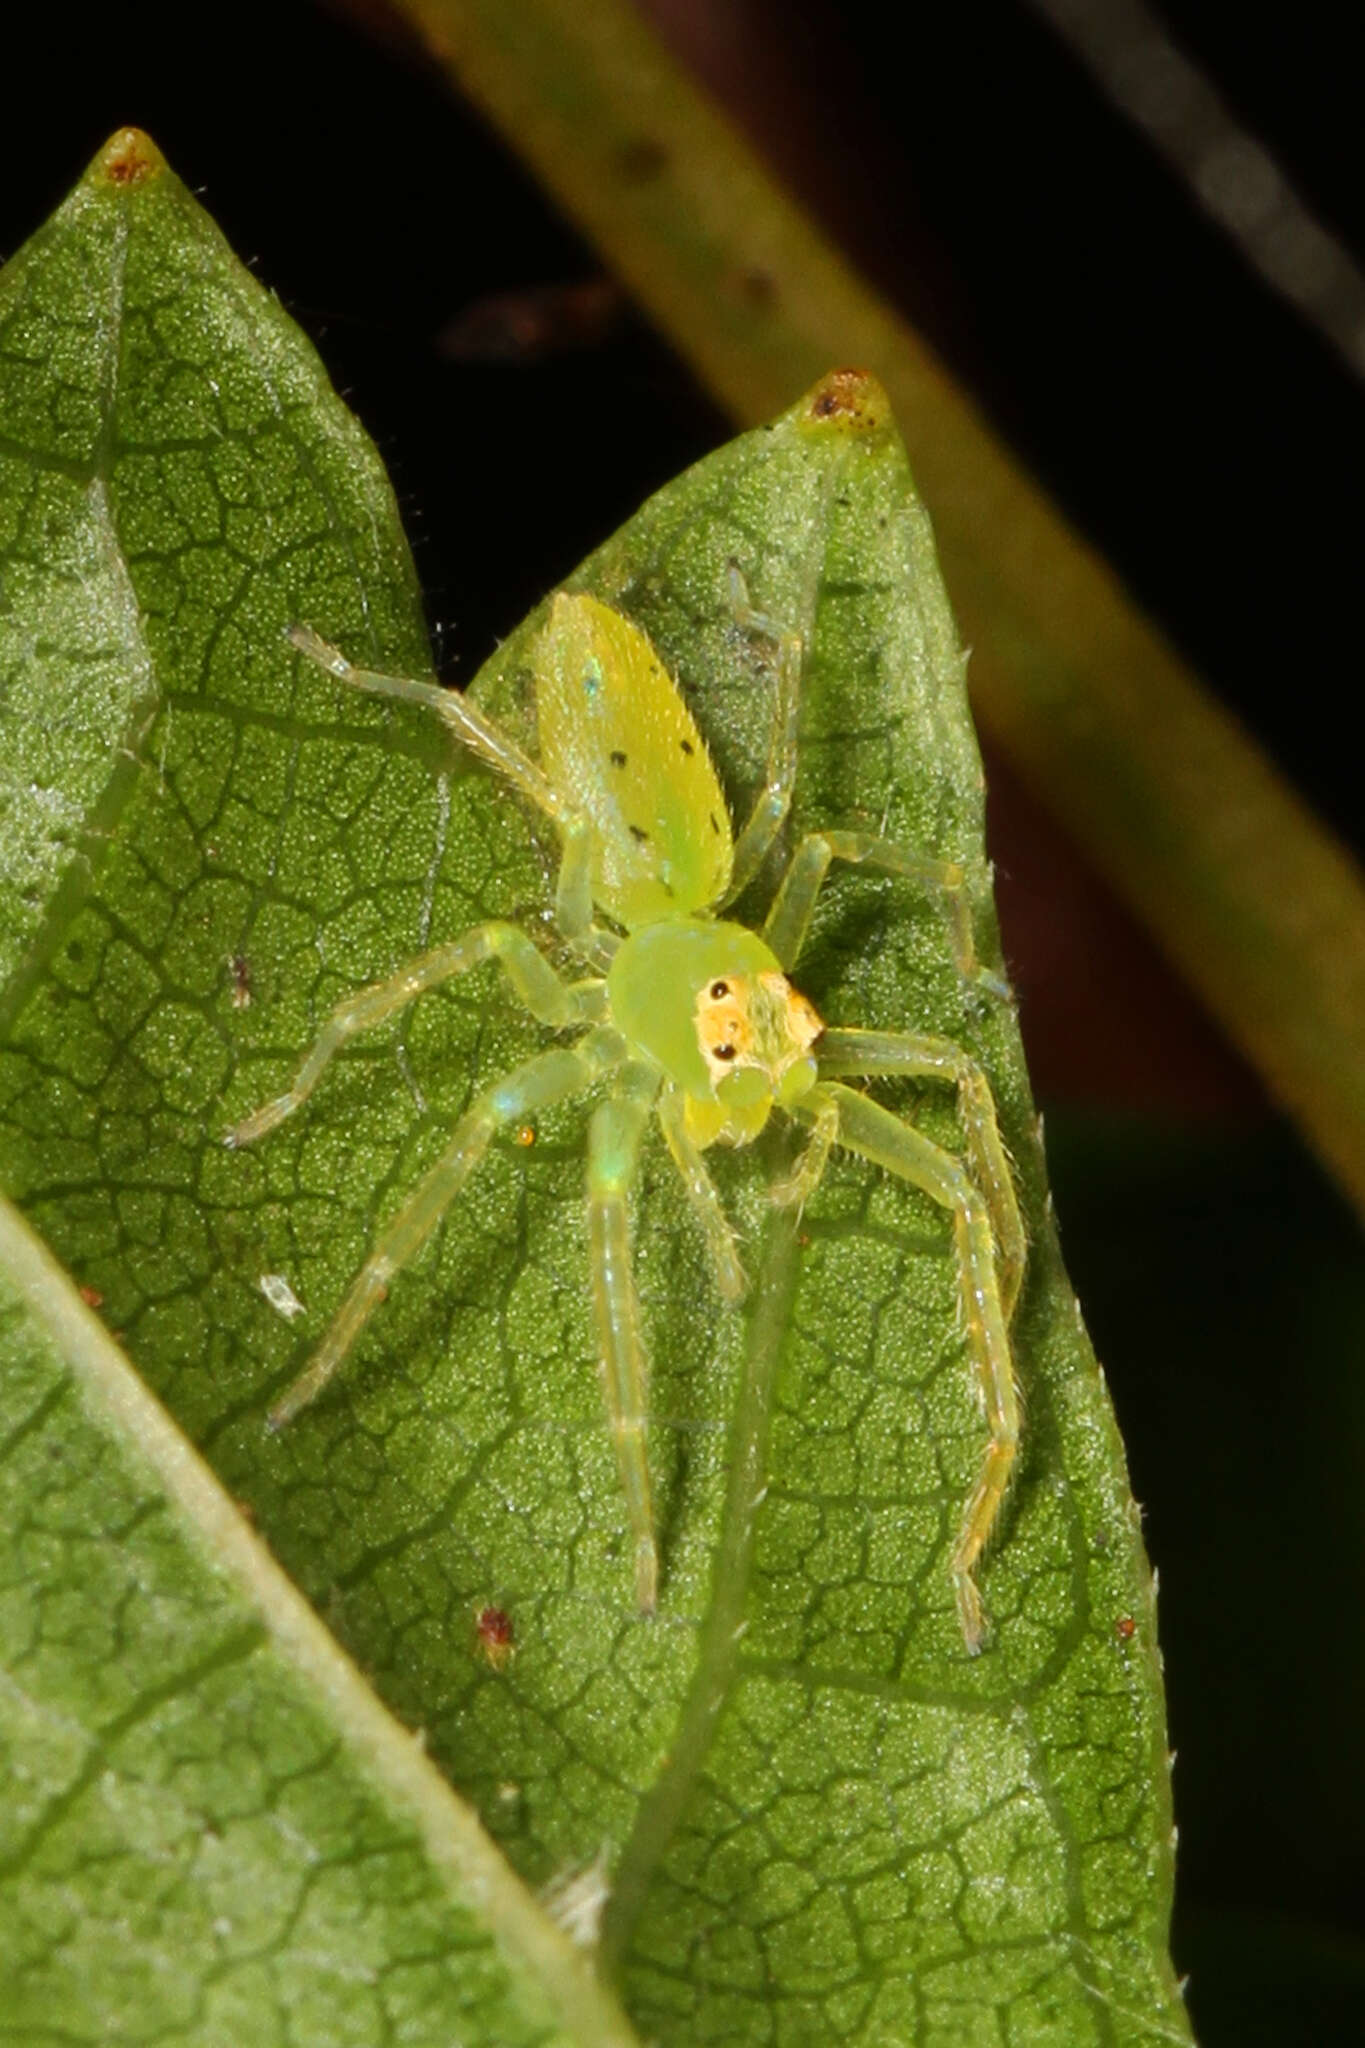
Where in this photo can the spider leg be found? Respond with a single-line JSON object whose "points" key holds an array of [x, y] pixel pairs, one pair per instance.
{"points": [[530, 974], [573, 897], [486, 738], [921, 1057], [481, 734], [796, 1190], [865, 1127], [788, 922], [774, 799], [701, 1192], [613, 1158], [565, 1070]]}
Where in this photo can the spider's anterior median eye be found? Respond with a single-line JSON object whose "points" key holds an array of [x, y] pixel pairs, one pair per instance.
{"points": [[724, 1028]]}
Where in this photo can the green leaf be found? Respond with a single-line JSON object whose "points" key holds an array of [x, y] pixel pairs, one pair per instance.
{"points": [[819, 1820], [212, 1829]]}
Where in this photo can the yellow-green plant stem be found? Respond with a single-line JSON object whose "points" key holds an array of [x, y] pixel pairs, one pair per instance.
{"points": [[1255, 903]]}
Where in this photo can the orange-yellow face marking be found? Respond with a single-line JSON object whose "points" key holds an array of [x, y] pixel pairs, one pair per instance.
{"points": [[763, 1023], [804, 1023]]}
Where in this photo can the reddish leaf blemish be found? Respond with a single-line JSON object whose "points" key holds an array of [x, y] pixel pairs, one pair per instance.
{"points": [[128, 158], [494, 1629], [850, 398]]}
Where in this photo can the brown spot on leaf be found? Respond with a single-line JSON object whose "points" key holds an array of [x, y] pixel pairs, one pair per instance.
{"points": [[494, 1628], [853, 398], [128, 157]]}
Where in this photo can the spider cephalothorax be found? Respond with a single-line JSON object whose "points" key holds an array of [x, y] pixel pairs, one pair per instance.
{"points": [[707, 999]]}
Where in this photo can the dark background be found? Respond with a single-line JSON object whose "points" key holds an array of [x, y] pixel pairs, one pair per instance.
{"points": [[1199, 432]]}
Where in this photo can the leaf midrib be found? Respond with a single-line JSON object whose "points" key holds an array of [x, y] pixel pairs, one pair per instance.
{"points": [[452, 1837]]}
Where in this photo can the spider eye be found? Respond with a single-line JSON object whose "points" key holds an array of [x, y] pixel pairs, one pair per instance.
{"points": [[719, 989], [724, 1052]]}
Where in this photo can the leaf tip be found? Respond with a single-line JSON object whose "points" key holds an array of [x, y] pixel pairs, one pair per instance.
{"points": [[128, 158], [852, 400]]}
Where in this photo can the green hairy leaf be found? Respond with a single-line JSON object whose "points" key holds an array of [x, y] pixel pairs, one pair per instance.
{"points": [[787, 1809]]}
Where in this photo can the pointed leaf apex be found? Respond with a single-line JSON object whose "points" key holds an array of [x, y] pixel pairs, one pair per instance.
{"points": [[128, 158], [849, 399]]}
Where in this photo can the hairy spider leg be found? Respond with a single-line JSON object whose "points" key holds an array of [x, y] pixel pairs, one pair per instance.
{"points": [[535, 1085], [919, 1056], [486, 738], [701, 1193], [614, 1136], [805, 1177], [548, 998], [788, 921], [774, 800], [865, 1127]]}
